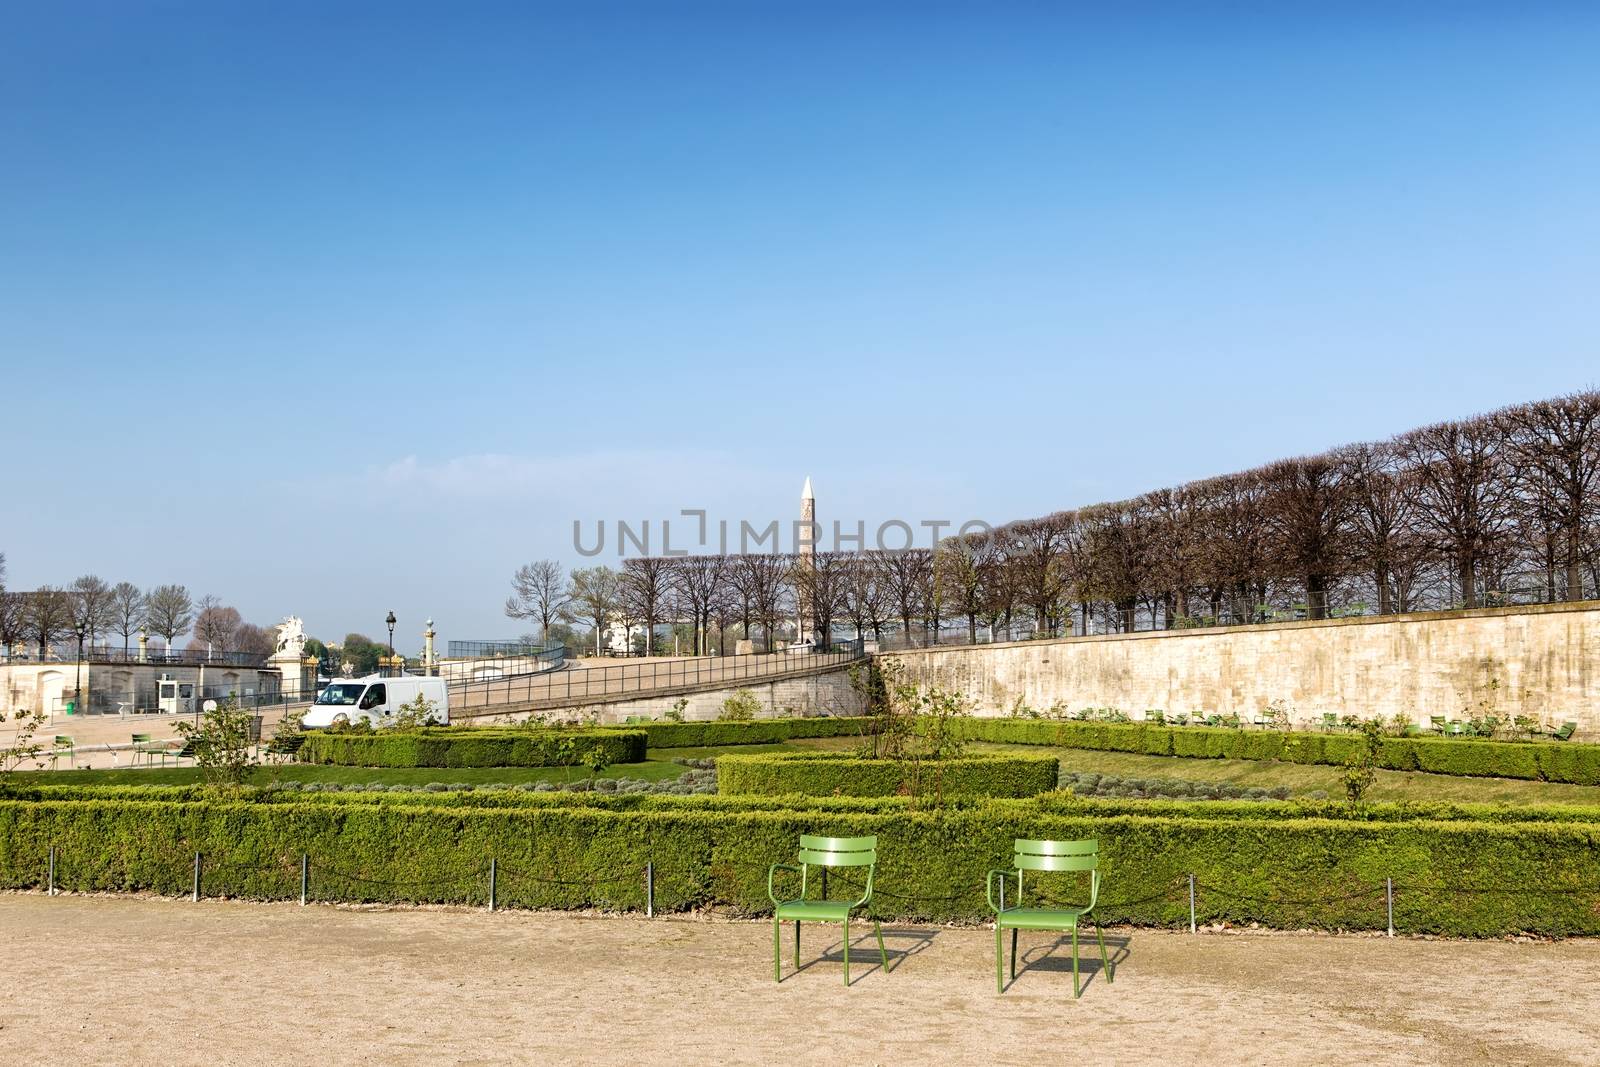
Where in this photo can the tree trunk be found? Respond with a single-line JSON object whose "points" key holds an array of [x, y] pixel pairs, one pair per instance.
{"points": [[1574, 562], [1468, 572], [1380, 576], [1317, 596]]}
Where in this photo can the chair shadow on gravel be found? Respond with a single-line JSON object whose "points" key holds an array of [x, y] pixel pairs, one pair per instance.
{"points": [[900, 944], [1056, 958]]}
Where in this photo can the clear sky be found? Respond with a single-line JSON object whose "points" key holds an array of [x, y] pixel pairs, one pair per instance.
{"points": [[341, 308]]}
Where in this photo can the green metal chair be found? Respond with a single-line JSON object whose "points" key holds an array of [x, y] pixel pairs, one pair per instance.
{"points": [[1566, 731], [826, 853], [63, 746], [1330, 722], [1045, 856]]}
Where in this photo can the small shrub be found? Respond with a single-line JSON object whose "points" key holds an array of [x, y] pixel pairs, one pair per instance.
{"points": [[742, 706]]}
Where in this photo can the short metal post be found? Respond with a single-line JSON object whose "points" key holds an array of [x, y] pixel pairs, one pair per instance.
{"points": [[195, 895], [52, 891], [1191, 904], [305, 876], [493, 871], [1388, 887], [650, 890]]}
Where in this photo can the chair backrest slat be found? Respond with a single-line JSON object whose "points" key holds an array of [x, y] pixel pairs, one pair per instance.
{"points": [[838, 851], [1056, 855]]}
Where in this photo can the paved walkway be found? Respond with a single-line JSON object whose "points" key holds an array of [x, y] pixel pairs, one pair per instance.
{"points": [[123, 980]]}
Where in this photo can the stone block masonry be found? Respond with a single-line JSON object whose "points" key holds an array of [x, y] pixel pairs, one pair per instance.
{"points": [[1541, 661]]}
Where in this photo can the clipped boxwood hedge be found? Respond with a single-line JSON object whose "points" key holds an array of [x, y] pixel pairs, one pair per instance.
{"points": [[1547, 761], [757, 732], [841, 774], [1458, 876], [472, 747]]}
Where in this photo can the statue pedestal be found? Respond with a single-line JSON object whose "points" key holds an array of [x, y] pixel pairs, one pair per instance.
{"points": [[299, 675]]}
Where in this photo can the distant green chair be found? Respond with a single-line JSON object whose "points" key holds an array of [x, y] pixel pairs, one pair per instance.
{"points": [[64, 746], [1330, 722], [824, 852], [146, 746], [1566, 731], [1438, 724], [1045, 856]]}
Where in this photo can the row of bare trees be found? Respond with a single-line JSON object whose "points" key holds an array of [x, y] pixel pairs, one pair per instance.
{"points": [[1500, 508], [89, 609]]}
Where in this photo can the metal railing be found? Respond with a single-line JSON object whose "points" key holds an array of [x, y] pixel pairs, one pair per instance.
{"points": [[482, 649], [579, 686], [181, 657]]}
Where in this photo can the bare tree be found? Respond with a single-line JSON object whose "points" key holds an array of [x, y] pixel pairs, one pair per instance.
{"points": [[906, 574], [645, 591], [48, 617], [699, 583], [1234, 536], [1462, 491], [757, 580], [255, 640], [1382, 522], [539, 591], [215, 625], [1306, 506], [127, 611], [1038, 550], [169, 612], [13, 620], [1554, 449], [595, 593], [91, 609], [822, 586], [962, 565]]}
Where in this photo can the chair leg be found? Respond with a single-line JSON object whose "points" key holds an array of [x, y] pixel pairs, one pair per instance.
{"points": [[847, 952], [1104, 962], [1077, 989], [777, 953], [883, 953], [999, 959], [797, 944], [1014, 932]]}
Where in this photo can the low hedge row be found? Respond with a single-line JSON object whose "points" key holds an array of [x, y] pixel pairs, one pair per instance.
{"points": [[757, 732], [840, 774], [524, 796], [458, 747], [1546, 761], [1462, 877]]}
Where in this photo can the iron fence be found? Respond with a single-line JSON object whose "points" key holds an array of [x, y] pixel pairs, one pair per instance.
{"points": [[577, 686]]}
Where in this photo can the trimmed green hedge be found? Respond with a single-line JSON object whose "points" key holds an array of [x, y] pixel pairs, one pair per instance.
{"points": [[472, 747], [758, 732], [1459, 877], [1547, 761], [841, 774]]}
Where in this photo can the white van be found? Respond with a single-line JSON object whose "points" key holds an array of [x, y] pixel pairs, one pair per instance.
{"points": [[375, 699]]}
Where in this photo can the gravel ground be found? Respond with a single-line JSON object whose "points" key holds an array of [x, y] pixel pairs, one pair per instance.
{"points": [[134, 980]]}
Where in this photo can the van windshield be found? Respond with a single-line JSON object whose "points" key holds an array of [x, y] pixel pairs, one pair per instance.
{"points": [[342, 693]]}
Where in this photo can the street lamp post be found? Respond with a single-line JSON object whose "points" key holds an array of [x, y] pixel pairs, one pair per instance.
{"points": [[391, 621]]}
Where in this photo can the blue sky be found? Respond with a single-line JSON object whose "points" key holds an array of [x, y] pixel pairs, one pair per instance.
{"points": [[338, 312]]}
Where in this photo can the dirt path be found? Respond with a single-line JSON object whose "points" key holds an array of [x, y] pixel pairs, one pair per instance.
{"points": [[137, 980]]}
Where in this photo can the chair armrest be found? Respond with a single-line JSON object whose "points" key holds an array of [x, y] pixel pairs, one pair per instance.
{"points": [[988, 886], [773, 870]]}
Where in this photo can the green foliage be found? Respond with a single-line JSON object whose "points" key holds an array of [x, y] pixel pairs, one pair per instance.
{"points": [[742, 706], [675, 713], [1463, 872], [1548, 761], [1091, 784], [760, 732], [474, 747], [414, 714], [221, 742], [22, 748], [1361, 766], [839, 774]]}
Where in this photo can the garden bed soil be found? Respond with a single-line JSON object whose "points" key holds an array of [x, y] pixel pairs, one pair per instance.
{"points": [[122, 980]]}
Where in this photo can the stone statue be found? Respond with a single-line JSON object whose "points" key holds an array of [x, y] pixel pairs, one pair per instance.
{"points": [[292, 638]]}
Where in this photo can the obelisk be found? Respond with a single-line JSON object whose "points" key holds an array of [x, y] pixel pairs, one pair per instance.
{"points": [[806, 545]]}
